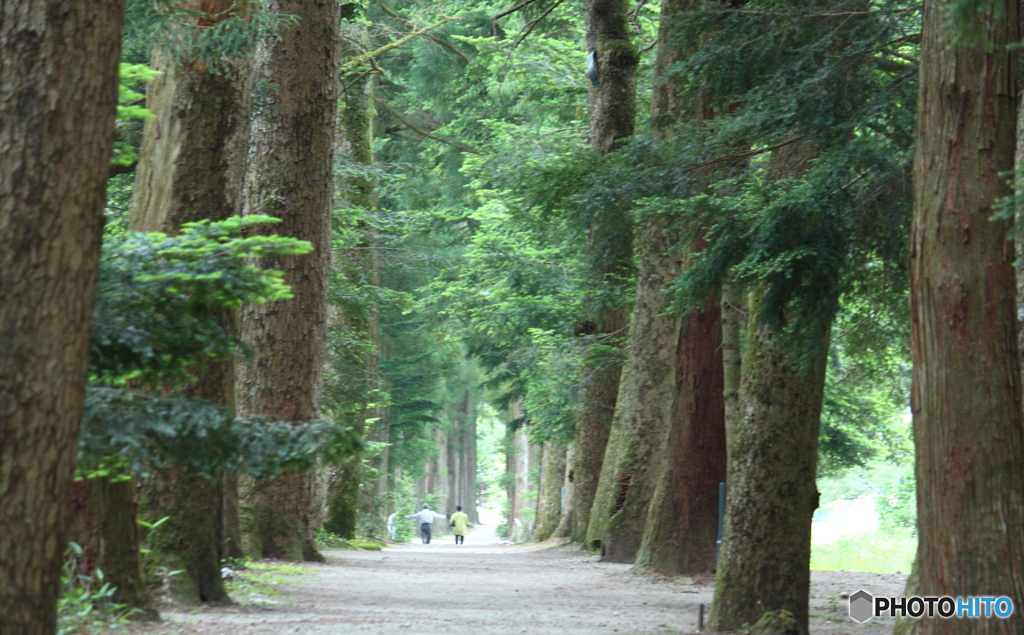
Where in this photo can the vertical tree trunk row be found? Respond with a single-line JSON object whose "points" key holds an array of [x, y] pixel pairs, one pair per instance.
{"points": [[645, 403]]}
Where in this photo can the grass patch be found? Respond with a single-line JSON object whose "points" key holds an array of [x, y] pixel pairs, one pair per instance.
{"points": [[258, 581], [879, 551]]}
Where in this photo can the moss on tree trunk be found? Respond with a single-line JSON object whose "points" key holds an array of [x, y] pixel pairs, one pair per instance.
{"points": [[629, 473], [764, 564], [612, 119], [552, 476]]}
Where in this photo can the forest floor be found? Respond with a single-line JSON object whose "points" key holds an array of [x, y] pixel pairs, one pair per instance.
{"points": [[488, 587]]}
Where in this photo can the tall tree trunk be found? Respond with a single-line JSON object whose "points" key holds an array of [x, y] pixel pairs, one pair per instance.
{"points": [[469, 502], [732, 360], [680, 526], [552, 475], [764, 564], [565, 521], [773, 450], [58, 61], [645, 404], [105, 526], [612, 118], [966, 380], [682, 523], [291, 177], [190, 169], [520, 501], [360, 265]]}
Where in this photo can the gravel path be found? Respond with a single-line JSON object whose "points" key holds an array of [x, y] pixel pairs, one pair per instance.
{"points": [[487, 587]]}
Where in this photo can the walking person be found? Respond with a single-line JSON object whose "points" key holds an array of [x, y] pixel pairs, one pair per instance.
{"points": [[459, 522], [426, 518]]}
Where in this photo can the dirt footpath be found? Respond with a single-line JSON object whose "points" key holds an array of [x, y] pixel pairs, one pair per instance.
{"points": [[489, 588]]}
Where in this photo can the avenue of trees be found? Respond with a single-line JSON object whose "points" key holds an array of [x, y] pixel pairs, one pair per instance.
{"points": [[258, 286]]}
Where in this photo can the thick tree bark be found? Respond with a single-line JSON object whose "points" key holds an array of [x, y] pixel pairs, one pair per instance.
{"points": [[645, 404], [764, 564], [290, 176], [190, 168], [682, 523], [966, 380], [766, 544], [612, 118], [565, 521], [105, 526], [681, 527], [58, 64], [552, 476]]}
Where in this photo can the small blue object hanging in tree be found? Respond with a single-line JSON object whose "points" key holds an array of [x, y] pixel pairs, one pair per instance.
{"points": [[592, 68]]}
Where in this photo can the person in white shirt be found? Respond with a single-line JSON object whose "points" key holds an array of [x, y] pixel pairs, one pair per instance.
{"points": [[426, 517]]}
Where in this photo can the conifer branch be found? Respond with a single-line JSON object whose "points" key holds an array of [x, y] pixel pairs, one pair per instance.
{"points": [[512, 10], [743, 155], [529, 27], [369, 55], [838, 14], [432, 38], [408, 124]]}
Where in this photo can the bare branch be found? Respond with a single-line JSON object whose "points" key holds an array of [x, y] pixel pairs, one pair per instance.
{"points": [[743, 155]]}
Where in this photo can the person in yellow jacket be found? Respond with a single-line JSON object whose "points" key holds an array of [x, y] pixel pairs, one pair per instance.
{"points": [[459, 522]]}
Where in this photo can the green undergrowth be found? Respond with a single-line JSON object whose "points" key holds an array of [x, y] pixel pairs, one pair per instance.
{"points": [[258, 581], [86, 603], [880, 551], [327, 540]]}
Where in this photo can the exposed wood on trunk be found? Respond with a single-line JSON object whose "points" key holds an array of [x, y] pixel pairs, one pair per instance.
{"points": [[682, 523], [58, 61], [966, 397]]}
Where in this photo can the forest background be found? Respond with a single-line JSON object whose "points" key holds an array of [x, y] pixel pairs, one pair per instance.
{"points": [[580, 238]]}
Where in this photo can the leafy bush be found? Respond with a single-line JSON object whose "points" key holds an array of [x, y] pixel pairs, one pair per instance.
{"points": [[157, 297], [158, 315], [86, 602], [147, 431], [897, 500]]}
